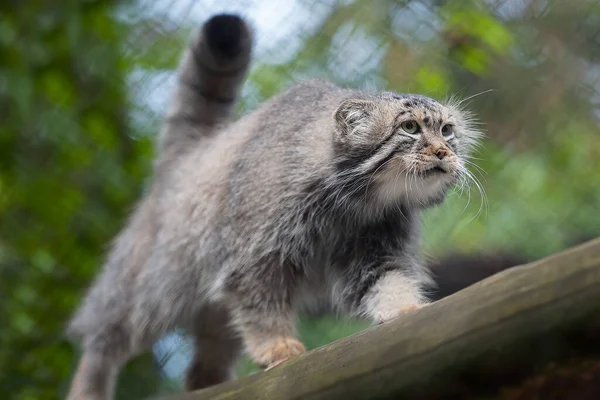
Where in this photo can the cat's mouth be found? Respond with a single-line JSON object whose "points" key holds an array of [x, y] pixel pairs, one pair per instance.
{"points": [[433, 170]]}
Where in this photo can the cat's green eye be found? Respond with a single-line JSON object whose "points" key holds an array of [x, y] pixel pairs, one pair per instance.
{"points": [[447, 130], [410, 127]]}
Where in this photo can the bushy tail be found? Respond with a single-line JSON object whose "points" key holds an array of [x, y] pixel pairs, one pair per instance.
{"points": [[210, 76]]}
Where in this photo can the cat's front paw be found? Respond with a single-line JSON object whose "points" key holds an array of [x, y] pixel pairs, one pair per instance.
{"points": [[279, 350], [388, 315], [410, 308]]}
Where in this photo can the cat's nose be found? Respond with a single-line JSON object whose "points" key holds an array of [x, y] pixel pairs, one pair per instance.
{"points": [[441, 152]]}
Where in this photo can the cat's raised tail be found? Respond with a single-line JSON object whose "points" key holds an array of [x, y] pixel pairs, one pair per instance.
{"points": [[210, 77]]}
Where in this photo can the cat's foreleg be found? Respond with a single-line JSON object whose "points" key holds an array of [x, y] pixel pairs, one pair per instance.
{"points": [[261, 306], [393, 294]]}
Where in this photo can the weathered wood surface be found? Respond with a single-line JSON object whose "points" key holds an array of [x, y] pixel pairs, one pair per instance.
{"points": [[491, 335]]}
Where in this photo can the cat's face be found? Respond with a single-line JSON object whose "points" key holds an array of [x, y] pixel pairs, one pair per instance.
{"points": [[411, 148]]}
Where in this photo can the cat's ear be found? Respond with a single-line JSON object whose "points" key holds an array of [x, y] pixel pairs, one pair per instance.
{"points": [[353, 117]]}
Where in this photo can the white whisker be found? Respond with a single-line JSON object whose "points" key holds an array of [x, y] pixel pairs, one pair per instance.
{"points": [[475, 95]]}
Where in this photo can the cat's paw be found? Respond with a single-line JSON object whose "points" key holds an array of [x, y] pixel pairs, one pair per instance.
{"points": [[410, 308], [280, 350], [392, 314]]}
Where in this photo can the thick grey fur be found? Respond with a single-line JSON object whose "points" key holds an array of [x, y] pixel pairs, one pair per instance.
{"points": [[314, 197]]}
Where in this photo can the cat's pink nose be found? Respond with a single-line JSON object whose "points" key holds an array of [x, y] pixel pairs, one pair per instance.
{"points": [[441, 153]]}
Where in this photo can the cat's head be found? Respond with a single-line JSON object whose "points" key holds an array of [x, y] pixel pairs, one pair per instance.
{"points": [[410, 149]]}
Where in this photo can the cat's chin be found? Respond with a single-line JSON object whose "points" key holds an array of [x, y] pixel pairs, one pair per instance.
{"points": [[435, 171], [422, 190]]}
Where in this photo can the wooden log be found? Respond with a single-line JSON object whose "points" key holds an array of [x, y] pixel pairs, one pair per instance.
{"points": [[482, 342]]}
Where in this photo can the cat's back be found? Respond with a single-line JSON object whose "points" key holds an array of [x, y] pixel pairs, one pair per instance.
{"points": [[265, 155], [292, 129], [289, 134], [301, 114], [293, 113], [287, 142]]}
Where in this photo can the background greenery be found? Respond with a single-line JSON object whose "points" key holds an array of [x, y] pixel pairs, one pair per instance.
{"points": [[83, 86]]}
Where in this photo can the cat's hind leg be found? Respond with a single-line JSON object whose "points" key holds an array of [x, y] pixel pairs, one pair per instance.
{"points": [[104, 352], [217, 347]]}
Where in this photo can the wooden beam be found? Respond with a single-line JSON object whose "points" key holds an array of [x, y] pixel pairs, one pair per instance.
{"points": [[493, 334]]}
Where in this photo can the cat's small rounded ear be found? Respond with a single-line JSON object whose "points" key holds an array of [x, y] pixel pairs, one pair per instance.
{"points": [[352, 116]]}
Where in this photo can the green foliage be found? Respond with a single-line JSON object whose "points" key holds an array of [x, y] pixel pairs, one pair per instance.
{"points": [[68, 172]]}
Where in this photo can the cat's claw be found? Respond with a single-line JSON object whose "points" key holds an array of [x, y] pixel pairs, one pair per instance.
{"points": [[279, 350], [276, 363]]}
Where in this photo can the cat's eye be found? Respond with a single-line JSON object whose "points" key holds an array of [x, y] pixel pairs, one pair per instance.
{"points": [[447, 130], [410, 127]]}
